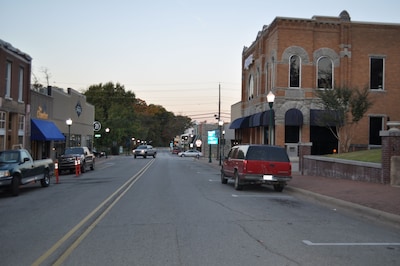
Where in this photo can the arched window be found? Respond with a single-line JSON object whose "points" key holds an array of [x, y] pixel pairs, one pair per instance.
{"points": [[266, 77], [294, 71], [251, 87], [325, 73]]}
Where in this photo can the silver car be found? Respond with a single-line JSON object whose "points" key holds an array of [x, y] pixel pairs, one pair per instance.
{"points": [[190, 153], [144, 151]]}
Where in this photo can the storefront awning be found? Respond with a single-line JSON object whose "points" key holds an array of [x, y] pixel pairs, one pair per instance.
{"points": [[255, 120], [323, 118], [294, 117], [242, 122], [266, 117], [45, 131]]}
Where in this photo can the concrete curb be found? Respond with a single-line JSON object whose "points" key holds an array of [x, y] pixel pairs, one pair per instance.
{"points": [[363, 211]]}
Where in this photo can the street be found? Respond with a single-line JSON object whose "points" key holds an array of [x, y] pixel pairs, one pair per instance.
{"points": [[175, 211]]}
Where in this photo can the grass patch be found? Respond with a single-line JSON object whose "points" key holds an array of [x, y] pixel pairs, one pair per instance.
{"points": [[371, 156]]}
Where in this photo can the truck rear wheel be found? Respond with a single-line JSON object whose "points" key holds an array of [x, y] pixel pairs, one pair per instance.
{"points": [[237, 185], [279, 187], [223, 179], [45, 182]]}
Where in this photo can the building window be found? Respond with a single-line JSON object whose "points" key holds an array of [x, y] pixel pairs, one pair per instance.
{"points": [[8, 79], [294, 71], [2, 130], [21, 84], [266, 77], [21, 125], [2, 121], [376, 73], [251, 87], [258, 82], [375, 125], [325, 73]]}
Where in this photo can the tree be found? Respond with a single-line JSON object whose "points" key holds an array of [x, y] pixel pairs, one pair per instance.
{"points": [[128, 116], [344, 107]]}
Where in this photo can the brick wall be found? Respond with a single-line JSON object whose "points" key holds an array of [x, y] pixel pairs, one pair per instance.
{"points": [[345, 169]]}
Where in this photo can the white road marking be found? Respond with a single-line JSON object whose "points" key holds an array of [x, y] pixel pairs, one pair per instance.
{"points": [[309, 243]]}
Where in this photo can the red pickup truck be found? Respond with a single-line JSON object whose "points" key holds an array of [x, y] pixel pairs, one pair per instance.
{"points": [[257, 164]]}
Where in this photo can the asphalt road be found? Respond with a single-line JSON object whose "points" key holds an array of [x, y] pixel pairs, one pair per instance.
{"points": [[175, 211]]}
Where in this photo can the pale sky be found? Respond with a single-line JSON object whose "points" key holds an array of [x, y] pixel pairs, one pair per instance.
{"points": [[173, 53]]}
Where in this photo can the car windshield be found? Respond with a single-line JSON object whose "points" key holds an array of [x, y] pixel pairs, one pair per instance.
{"points": [[261, 153], [9, 157], [74, 151], [142, 147]]}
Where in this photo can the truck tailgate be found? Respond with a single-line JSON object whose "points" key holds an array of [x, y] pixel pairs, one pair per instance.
{"points": [[269, 168]]}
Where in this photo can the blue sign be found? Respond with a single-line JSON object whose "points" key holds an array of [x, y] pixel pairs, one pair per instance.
{"points": [[212, 137]]}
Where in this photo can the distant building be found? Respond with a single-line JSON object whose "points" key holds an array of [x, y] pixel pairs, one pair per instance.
{"points": [[51, 107], [294, 57]]}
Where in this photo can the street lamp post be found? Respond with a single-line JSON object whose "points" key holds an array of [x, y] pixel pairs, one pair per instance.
{"points": [[223, 143], [69, 123], [108, 148], [270, 99], [220, 123]]}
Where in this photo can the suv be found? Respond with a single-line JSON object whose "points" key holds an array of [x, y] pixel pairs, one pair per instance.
{"points": [[144, 151], [67, 160], [257, 164]]}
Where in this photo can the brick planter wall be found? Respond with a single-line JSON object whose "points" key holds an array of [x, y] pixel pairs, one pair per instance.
{"points": [[345, 169]]}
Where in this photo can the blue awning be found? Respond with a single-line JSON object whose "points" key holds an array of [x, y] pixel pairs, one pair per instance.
{"points": [[294, 117], [266, 117], [236, 123], [323, 118], [255, 120], [45, 131], [242, 122]]}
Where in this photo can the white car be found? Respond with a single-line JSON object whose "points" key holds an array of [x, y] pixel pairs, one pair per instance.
{"points": [[190, 153]]}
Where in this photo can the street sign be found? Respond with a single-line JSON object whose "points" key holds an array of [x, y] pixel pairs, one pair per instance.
{"points": [[96, 126], [198, 143], [212, 137]]}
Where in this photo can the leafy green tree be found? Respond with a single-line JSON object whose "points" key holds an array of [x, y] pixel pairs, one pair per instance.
{"points": [[128, 116], [345, 108]]}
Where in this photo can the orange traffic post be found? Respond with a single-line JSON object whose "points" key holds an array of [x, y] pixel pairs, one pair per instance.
{"points": [[56, 171], [76, 168]]}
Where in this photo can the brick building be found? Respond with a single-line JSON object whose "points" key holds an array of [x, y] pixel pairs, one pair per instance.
{"points": [[294, 57], [15, 73]]}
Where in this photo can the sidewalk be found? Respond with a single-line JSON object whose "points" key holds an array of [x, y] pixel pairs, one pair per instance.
{"points": [[368, 199], [376, 200]]}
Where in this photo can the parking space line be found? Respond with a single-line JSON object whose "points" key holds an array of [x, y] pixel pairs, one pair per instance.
{"points": [[309, 243]]}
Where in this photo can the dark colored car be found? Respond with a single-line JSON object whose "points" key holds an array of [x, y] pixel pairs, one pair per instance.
{"points": [[67, 160], [176, 150], [144, 151], [257, 164]]}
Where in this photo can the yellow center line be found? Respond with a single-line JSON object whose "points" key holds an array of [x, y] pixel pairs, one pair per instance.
{"points": [[68, 235]]}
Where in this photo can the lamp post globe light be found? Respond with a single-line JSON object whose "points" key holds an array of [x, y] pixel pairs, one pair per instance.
{"points": [[107, 130], [270, 99], [69, 123], [220, 124]]}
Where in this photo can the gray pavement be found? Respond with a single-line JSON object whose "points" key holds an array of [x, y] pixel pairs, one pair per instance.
{"points": [[369, 200]]}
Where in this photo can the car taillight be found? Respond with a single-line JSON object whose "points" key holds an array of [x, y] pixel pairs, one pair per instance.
{"points": [[244, 165]]}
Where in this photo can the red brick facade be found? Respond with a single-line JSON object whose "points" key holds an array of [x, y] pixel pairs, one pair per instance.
{"points": [[352, 49], [15, 73]]}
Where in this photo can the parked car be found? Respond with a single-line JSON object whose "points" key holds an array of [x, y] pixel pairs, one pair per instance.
{"points": [[257, 164], [190, 153], [176, 150], [67, 160], [18, 168], [99, 154], [144, 151]]}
